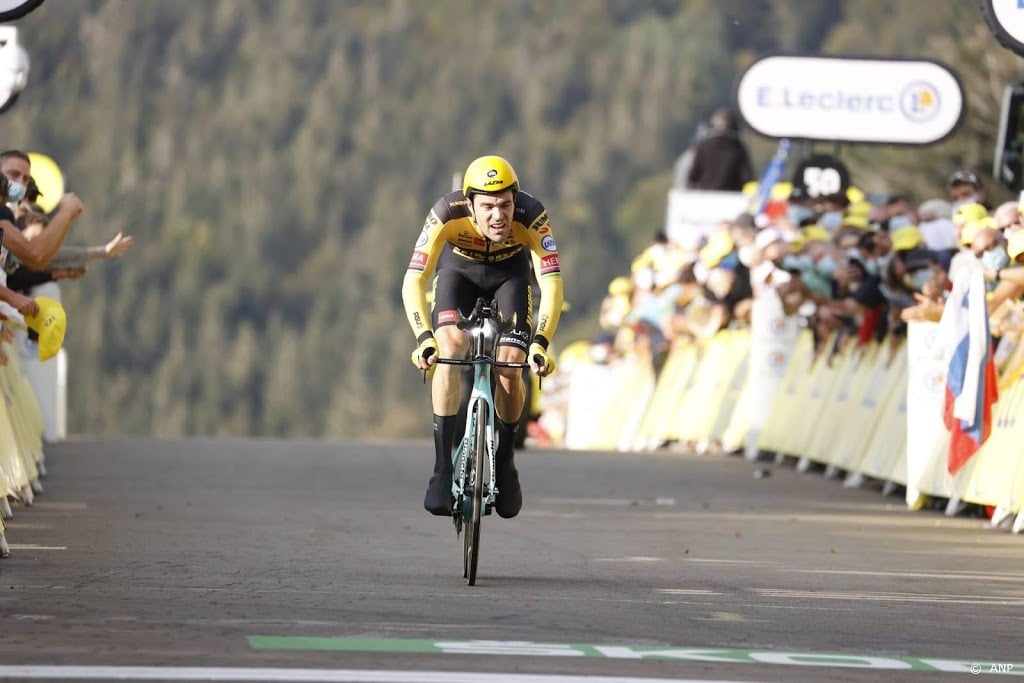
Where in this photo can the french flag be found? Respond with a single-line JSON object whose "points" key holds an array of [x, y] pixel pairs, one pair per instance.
{"points": [[971, 381]]}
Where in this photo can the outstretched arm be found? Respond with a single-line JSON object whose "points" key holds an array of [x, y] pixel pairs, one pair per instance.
{"points": [[36, 253]]}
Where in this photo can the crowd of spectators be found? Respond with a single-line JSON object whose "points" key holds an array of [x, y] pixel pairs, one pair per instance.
{"points": [[848, 265], [31, 256]]}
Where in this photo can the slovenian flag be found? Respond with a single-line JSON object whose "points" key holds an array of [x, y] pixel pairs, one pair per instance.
{"points": [[971, 381]]}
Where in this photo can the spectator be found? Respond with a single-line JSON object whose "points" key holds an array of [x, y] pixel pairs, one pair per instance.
{"points": [[1007, 216], [720, 160], [68, 263], [965, 187], [936, 216], [15, 168]]}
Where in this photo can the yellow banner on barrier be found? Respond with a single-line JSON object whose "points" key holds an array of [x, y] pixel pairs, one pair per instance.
{"points": [[999, 465], [674, 376], [774, 438], [706, 396], [861, 413], [824, 379], [834, 424], [885, 456]]}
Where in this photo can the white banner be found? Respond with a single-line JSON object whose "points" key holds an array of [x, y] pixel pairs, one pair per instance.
{"points": [[926, 395], [913, 102], [773, 336]]}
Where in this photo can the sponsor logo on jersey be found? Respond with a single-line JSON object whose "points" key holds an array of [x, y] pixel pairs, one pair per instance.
{"points": [[422, 239], [545, 230], [549, 243], [448, 316], [549, 264], [418, 260], [479, 242]]}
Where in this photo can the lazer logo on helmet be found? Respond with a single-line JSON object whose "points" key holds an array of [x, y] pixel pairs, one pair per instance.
{"points": [[489, 183]]}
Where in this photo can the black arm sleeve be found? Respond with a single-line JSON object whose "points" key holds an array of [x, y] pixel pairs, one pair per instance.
{"points": [[24, 279]]}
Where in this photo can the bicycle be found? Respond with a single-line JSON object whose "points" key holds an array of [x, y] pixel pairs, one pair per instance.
{"points": [[474, 493]]}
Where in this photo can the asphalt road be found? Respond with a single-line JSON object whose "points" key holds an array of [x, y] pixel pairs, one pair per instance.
{"points": [[270, 560]]}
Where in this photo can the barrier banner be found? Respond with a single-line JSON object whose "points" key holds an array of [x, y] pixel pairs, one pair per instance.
{"points": [[606, 401], [676, 372], [927, 438], [833, 425], [773, 340], [775, 436], [861, 414], [995, 480], [885, 456], [822, 387], [723, 355]]}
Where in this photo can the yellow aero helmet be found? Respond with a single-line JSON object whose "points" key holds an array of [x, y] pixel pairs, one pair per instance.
{"points": [[489, 174]]}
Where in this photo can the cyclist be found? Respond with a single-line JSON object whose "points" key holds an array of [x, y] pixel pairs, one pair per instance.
{"points": [[480, 240]]}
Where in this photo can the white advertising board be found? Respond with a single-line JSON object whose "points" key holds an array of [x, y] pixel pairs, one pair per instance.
{"points": [[912, 102]]}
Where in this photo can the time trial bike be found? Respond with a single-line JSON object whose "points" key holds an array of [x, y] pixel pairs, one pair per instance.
{"points": [[474, 486]]}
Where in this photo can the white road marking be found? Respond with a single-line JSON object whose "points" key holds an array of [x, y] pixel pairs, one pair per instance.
{"points": [[753, 563], [53, 505], [944, 598], [631, 558], [32, 546], [914, 574], [145, 673]]}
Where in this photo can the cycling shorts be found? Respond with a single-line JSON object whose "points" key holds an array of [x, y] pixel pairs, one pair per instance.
{"points": [[460, 281]]}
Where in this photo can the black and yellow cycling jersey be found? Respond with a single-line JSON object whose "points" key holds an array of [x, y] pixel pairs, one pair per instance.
{"points": [[450, 222]]}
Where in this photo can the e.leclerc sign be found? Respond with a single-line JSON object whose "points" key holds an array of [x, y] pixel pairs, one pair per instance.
{"points": [[909, 102]]}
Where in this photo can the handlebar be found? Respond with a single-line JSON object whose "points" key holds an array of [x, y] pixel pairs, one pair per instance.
{"points": [[482, 359]]}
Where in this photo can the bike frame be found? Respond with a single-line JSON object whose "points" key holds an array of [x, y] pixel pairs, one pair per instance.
{"points": [[485, 327]]}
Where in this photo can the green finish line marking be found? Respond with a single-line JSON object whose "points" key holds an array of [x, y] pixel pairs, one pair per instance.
{"points": [[692, 654]]}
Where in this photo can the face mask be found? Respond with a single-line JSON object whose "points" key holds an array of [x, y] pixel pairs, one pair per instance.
{"points": [[15, 191], [964, 202], [995, 258], [831, 220], [826, 266], [800, 262], [797, 213], [919, 277], [901, 221]]}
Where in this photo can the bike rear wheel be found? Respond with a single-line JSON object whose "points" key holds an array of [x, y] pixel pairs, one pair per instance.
{"points": [[471, 541]]}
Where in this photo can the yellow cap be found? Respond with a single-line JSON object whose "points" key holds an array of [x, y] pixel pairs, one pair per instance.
{"points": [[972, 228], [862, 208], [906, 238], [809, 233], [50, 324], [855, 220], [620, 286], [718, 247], [1015, 245], [969, 212], [856, 196]]}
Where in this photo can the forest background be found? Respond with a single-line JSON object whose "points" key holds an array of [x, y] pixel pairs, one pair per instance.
{"points": [[275, 159]]}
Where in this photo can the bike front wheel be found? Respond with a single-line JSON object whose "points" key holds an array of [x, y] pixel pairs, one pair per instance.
{"points": [[471, 540]]}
